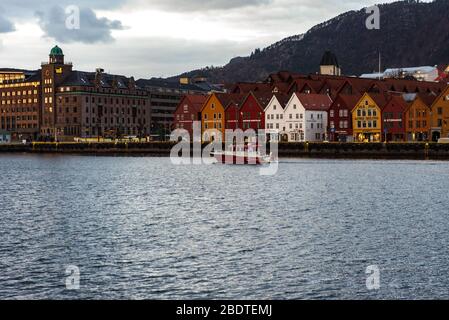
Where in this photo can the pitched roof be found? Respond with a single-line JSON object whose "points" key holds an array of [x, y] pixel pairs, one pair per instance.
{"points": [[228, 98], [318, 102], [348, 100], [196, 101], [282, 99], [380, 99], [263, 98], [329, 59]]}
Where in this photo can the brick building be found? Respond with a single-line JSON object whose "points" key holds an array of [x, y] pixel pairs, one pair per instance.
{"points": [[90, 104]]}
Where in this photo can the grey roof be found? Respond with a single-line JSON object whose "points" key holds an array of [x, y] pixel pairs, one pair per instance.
{"points": [[82, 78], [30, 75], [329, 59], [162, 83]]}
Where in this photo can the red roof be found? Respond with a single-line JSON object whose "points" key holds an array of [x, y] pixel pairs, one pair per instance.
{"points": [[318, 102], [348, 101], [196, 101], [283, 99]]}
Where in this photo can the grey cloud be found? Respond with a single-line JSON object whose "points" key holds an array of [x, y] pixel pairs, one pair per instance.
{"points": [[92, 29], [6, 25], [29, 7], [199, 5]]}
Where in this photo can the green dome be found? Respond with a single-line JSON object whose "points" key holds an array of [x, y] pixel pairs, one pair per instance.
{"points": [[56, 51]]}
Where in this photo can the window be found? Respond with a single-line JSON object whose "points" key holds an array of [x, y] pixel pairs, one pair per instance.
{"points": [[331, 113]]}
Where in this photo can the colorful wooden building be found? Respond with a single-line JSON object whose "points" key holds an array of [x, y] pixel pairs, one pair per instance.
{"points": [[306, 117], [340, 118], [213, 114], [275, 127], [188, 111], [418, 117], [393, 119], [440, 116], [252, 110], [367, 118]]}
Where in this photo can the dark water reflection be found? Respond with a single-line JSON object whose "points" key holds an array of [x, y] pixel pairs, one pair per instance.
{"points": [[142, 228]]}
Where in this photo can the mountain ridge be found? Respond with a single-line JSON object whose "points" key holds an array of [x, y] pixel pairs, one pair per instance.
{"points": [[411, 33]]}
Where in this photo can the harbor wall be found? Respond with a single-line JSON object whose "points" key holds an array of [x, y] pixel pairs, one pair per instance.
{"points": [[292, 150]]}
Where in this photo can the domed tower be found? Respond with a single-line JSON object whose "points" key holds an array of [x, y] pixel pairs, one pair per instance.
{"points": [[56, 55], [54, 74], [329, 64]]}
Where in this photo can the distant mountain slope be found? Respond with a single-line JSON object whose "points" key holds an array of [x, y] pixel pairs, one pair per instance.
{"points": [[411, 34]]}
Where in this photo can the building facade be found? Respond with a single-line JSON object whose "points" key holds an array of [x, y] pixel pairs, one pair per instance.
{"points": [[306, 117], [90, 104], [367, 119], [418, 117], [275, 126], [394, 119], [440, 116], [189, 111], [165, 97], [340, 118], [20, 103]]}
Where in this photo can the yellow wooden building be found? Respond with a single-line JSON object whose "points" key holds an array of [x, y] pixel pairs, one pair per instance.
{"points": [[367, 118], [212, 118]]}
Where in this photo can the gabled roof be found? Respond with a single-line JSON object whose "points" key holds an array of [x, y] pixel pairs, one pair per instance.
{"points": [[196, 101], [228, 98], [347, 100], [246, 87], [381, 99], [282, 98], [398, 100], [317, 102]]}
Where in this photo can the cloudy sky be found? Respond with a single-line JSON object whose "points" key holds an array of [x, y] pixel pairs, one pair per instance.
{"points": [[147, 38]]}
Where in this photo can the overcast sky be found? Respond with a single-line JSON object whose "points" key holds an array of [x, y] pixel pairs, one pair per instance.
{"points": [[147, 38]]}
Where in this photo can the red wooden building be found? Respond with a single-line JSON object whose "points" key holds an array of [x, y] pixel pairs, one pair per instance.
{"points": [[188, 111], [252, 110], [393, 119], [340, 118]]}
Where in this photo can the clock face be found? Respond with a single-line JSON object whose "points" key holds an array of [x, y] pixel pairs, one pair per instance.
{"points": [[47, 73]]}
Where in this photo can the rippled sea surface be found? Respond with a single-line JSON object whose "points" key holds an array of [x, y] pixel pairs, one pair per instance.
{"points": [[142, 228]]}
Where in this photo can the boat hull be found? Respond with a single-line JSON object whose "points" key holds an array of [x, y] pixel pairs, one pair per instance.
{"points": [[227, 158]]}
